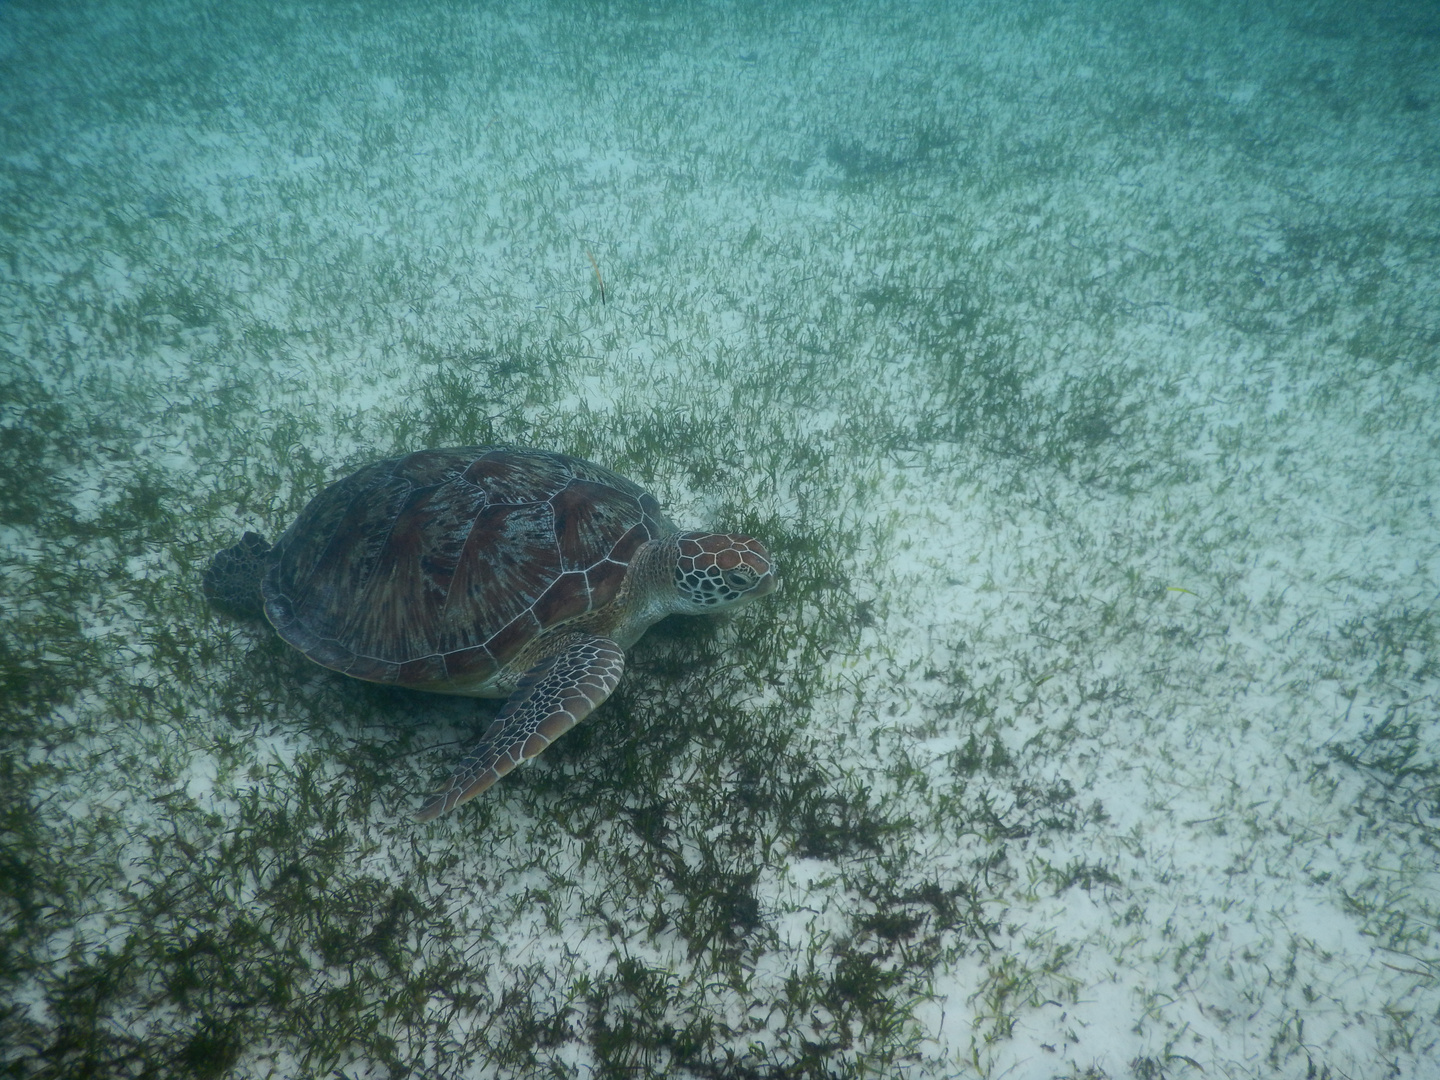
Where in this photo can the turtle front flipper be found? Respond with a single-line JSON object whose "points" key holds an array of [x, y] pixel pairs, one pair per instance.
{"points": [[550, 699]]}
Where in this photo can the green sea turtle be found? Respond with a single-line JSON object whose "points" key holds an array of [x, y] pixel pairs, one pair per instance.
{"points": [[487, 571]]}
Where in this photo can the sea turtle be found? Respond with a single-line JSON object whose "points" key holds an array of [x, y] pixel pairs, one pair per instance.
{"points": [[487, 571]]}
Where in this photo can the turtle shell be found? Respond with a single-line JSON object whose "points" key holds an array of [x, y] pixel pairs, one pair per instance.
{"points": [[436, 569]]}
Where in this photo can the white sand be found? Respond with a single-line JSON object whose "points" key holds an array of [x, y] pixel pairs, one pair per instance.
{"points": [[1230, 217]]}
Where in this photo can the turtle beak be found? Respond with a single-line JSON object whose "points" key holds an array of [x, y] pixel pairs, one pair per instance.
{"points": [[767, 584], [763, 563]]}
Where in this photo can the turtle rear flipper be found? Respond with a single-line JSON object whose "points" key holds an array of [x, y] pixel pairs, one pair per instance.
{"points": [[232, 580], [550, 699]]}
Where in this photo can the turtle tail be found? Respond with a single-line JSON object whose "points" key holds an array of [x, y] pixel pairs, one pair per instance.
{"points": [[232, 580]]}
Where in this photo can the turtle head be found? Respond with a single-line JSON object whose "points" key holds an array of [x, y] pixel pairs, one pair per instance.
{"points": [[720, 570]]}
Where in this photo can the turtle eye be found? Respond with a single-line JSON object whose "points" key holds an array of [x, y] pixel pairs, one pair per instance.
{"points": [[740, 580]]}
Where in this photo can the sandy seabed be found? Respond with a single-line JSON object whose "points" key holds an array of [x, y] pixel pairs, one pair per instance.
{"points": [[1077, 361]]}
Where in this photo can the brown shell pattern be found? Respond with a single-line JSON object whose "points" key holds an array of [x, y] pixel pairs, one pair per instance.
{"points": [[434, 569]]}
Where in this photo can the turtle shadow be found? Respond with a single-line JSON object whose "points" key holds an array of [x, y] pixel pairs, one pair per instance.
{"points": [[396, 744], [864, 160]]}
